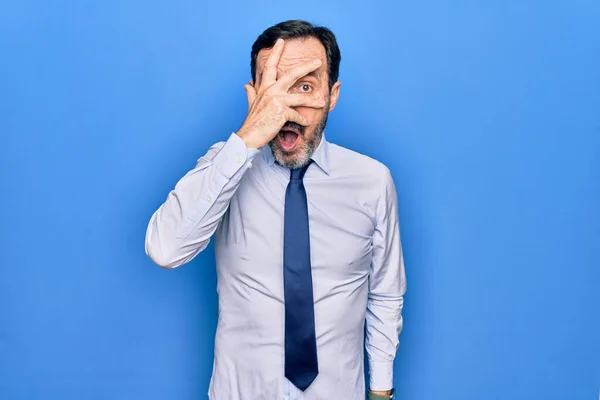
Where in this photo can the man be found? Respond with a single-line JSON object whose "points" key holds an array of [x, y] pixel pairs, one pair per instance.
{"points": [[306, 235]]}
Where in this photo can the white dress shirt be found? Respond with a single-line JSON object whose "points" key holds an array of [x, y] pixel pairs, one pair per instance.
{"points": [[236, 195]]}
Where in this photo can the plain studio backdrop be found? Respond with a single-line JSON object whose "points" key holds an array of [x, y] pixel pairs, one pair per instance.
{"points": [[486, 112]]}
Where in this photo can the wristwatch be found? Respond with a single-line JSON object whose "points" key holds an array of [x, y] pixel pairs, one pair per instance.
{"points": [[373, 396]]}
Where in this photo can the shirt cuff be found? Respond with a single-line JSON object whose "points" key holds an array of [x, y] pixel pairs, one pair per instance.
{"points": [[381, 375], [233, 155]]}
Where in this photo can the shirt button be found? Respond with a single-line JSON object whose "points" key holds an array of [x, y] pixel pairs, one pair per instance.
{"points": [[208, 198], [238, 160], [250, 164]]}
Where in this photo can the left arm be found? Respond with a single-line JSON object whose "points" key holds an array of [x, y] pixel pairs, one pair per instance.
{"points": [[387, 285]]}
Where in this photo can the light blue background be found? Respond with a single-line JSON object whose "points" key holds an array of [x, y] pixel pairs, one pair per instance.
{"points": [[487, 113]]}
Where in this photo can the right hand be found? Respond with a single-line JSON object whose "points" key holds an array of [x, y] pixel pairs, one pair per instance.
{"points": [[270, 107]]}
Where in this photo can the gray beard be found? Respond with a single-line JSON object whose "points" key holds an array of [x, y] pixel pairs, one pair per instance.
{"points": [[307, 148]]}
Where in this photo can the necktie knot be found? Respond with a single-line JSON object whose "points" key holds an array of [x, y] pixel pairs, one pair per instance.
{"points": [[297, 174]]}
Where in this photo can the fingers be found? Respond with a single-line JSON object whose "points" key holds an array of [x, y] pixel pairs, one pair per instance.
{"points": [[295, 116], [250, 94], [291, 76], [270, 71], [301, 100]]}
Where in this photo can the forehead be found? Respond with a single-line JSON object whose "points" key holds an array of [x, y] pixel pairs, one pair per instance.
{"points": [[296, 51]]}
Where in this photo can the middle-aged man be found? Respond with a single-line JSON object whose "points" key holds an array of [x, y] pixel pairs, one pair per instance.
{"points": [[306, 237]]}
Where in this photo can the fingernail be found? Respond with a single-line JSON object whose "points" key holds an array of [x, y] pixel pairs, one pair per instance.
{"points": [[279, 41]]}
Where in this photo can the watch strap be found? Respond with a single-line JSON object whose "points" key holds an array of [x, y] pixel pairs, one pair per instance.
{"points": [[373, 396]]}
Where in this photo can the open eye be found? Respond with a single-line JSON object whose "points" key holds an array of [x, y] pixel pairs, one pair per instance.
{"points": [[305, 88]]}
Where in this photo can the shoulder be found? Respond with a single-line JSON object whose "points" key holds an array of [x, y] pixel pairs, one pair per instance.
{"points": [[359, 164], [368, 179]]}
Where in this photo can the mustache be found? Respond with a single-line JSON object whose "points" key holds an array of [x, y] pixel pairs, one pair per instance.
{"points": [[295, 126]]}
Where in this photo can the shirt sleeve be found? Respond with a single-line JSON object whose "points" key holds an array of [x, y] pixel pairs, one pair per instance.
{"points": [[387, 285], [183, 225]]}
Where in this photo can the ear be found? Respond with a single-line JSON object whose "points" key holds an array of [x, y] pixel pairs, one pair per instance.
{"points": [[334, 95]]}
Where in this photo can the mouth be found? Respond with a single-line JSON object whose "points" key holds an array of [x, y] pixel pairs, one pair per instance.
{"points": [[288, 138]]}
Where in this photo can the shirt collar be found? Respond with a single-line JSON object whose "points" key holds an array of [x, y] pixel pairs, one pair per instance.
{"points": [[320, 155]]}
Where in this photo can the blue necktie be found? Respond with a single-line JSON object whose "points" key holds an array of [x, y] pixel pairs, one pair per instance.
{"points": [[301, 366]]}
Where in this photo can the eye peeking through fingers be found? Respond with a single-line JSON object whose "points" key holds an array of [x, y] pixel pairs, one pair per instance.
{"points": [[304, 88]]}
